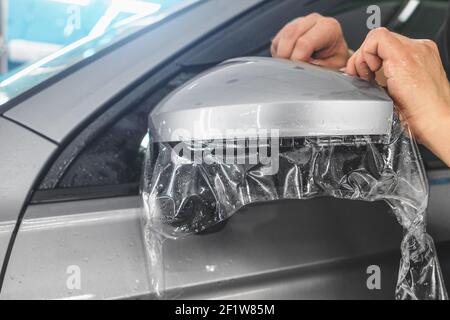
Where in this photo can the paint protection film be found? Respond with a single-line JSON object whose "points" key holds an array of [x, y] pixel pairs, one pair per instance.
{"points": [[191, 186]]}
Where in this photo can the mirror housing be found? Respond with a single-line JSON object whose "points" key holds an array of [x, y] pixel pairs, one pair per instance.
{"points": [[246, 95]]}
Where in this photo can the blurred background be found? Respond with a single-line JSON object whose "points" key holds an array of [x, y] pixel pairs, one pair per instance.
{"points": [[34, 29]]}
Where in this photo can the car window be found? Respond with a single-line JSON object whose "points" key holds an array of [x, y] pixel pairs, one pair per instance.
{"points": [[114, 157]]}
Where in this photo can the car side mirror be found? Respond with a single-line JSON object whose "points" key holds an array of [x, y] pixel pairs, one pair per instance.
{"points": [[255, 94], [258, 129]]}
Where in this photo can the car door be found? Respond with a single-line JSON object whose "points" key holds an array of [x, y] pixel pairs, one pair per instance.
{"points": [[79, 234]]}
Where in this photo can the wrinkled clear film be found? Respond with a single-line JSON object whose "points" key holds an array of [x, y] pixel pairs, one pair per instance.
{"points": [[191, 191]]}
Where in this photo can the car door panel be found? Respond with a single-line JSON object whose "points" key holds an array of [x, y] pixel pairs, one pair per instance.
{"points": [[260, 244], [318, 248], [100, 239], [23, 155]]}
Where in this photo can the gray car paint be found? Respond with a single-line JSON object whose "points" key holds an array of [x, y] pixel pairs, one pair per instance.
{"points": [[439, 205], [22, 156], [104, 239], [245, 95], [285, 249]]}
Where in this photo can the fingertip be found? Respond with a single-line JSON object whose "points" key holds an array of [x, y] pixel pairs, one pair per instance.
{"points": [[273, 50], [315, 62], [350, 67], [284, 49], [350, 72], [300, 56], [272, 53], [303, 50], [363, 71]]}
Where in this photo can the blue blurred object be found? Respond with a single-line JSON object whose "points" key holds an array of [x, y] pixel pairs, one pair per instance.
{"points": [[46, 37], [55, 21], [38, 27]]}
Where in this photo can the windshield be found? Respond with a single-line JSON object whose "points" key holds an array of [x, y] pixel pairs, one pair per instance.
{"points": [[52, 35]]}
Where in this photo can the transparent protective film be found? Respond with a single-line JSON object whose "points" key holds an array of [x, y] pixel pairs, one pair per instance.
{"points": [[191, 186]]}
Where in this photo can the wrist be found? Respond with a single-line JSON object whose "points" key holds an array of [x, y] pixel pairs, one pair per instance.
{"points": [[436, 136]]}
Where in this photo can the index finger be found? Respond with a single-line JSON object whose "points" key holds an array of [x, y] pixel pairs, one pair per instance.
{"points": [[290, 33], [384, 44]]}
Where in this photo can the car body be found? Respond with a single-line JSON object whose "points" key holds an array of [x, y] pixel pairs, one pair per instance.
{"points": [[70, 170]]}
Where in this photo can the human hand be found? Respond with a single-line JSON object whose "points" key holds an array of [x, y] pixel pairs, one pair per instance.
{"points": [[314, 39], [416, 81]]}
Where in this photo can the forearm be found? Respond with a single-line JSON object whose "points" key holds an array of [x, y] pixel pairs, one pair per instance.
{"points": [[434, 131], [438, 138]]}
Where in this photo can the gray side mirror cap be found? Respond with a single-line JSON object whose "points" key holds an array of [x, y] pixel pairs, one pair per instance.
{"points": [[247, 95]]}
